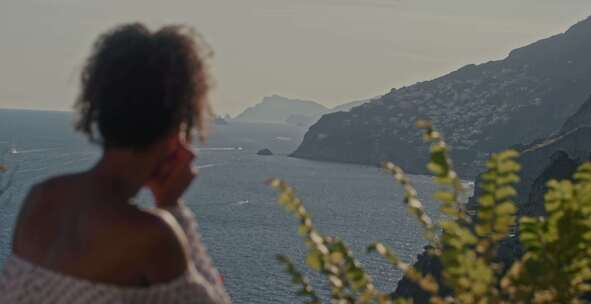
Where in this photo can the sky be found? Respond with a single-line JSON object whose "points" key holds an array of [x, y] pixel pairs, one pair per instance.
{"points": [[329, 51]]}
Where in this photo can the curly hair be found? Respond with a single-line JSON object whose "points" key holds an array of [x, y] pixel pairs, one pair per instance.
{"points": [[137, 86]]}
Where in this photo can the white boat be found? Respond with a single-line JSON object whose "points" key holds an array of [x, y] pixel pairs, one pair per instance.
{"points": [[13, 149]]}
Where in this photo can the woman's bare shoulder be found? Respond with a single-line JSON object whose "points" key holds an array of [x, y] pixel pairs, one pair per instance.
{"points": [[163, 243], [54, 189], [43, 197], [150, 240]]}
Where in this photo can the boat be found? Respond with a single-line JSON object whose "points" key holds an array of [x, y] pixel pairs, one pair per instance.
{"points": [[13, 149]]}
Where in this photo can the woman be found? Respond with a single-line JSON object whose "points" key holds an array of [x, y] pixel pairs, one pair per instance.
{"points": [[79, 237]]}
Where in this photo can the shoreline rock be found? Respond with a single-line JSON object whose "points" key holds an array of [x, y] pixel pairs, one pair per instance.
{"points": [[265, 152]]}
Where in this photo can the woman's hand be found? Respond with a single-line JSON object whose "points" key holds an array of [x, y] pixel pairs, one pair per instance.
{"points": [[173, 177]]}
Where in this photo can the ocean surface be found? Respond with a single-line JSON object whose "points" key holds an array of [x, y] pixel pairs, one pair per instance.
{"points": [[242, 225]]}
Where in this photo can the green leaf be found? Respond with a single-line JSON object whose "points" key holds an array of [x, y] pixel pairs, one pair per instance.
{"points": [[510, 178], [506, 208], [337, 257], [508, 167], [314, 260], [444, 196], [508, 154], [435, 168], [504, 193], [486, 200], [483, 230]]}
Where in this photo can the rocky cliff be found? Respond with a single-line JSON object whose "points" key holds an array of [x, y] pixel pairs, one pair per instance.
{"points": [[480, 108], [555, 157], [560, 167], [541, 164], [350, 105], [581, 118], [428, 264]]}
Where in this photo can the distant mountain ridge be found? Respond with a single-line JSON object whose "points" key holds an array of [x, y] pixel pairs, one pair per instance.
{"points": [[279, 109], [479, 108]]}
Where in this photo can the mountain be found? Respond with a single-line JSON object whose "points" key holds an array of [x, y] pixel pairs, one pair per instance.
{"points": [[302, 120], [277, 109], [350, 105], [479, 108], [308, 120]]}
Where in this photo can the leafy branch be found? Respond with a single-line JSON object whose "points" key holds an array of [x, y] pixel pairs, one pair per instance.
{"points": [[555, 267]]}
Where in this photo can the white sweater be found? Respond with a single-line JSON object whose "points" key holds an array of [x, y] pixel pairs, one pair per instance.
{"points": [[22, 282]]}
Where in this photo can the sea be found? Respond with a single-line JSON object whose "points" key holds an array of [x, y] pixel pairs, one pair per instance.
{"points": [[243, 226]]}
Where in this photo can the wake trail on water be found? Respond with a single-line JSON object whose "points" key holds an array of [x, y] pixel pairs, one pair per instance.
{"points": [[221, 149], [34, 150], [208, 166]]}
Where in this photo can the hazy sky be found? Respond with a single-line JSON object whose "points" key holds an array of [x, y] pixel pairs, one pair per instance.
{"points": [[331, 51]]}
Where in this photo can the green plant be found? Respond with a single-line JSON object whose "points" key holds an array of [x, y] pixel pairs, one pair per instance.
{"points": [[555, 266]]}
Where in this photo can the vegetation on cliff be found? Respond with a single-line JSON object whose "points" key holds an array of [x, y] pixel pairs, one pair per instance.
{"points": [[555, 266]]}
